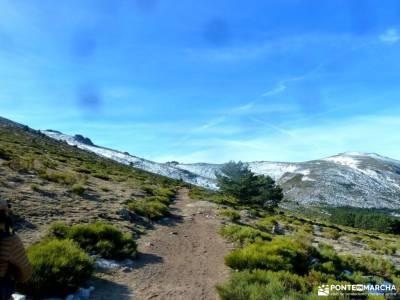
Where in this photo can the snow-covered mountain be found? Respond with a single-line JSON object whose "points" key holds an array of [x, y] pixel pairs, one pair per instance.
{"points": [[168, 170], [352, 178]]}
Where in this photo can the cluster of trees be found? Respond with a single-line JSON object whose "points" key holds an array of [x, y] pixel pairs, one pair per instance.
{"points": [[237, 180], [366, 218]]}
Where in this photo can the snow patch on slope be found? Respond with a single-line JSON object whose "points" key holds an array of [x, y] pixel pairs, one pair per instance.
{"points": [[344, 160], [275, 170], [137, 162], [352, 178]]}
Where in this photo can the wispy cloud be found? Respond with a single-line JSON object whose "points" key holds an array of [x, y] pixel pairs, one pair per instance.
{"points": [[267, 48], [390, 36], [282, 85], [276, 128], [249, 107], [358, 133]]}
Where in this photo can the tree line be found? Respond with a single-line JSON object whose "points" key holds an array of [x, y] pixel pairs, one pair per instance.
{"points": [[366, 218]]}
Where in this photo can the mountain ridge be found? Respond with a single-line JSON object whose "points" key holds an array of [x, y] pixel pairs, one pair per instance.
{"points": [[349, 178]]}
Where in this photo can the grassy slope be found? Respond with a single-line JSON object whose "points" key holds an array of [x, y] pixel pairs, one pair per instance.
{"points": [[344, 239], [362, 252], [47, 180]]}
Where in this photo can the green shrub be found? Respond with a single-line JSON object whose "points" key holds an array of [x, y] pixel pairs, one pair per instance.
{"points": [[83, 170], [370, 265], [315, 278], [297, 222], [231, 214], [35, 187], [225, 200], [20, 164], [154, 206], [164, 192], [164, 195], [58, 177], [58, 230], [332, 233], [282, 253], [151, 209], [308, 228], [162, 199], [4, 154], [197, 193], [262, 285], [59, 268], [104, 189], [267, 223], [356, 238], [243, 234], [97, 238], [77, 189], [328, 261], [102, 176], [148, 189]]}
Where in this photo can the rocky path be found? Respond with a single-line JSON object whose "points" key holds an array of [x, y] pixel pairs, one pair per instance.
{"points": [[182, 258]]}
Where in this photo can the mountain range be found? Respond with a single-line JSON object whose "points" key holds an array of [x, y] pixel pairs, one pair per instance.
{"points": [[351, 178]]}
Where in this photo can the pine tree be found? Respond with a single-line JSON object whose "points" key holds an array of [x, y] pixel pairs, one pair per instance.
{"points": [[237, 180]]}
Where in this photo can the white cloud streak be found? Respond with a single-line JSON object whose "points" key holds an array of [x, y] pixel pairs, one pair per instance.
{"points": [[390, 36], [372, 133]]}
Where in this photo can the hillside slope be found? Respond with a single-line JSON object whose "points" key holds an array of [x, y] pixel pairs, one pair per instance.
{"points": [[356, 179], [48, 180], [353, 178], [168, 170]]}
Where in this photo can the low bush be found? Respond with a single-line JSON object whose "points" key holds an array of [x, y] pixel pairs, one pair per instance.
{"points": [[261, 284], [4, 154], [243, 234], [356, 238], [151, 209], [148, 189], [59, 268], [35, 187], [161, 199], [102, 176], [154, 206], [315, 278], [332, 233], [77, 189], [97, 238], [267, 223], [230, 214], [20, 164], [197, 193], [164, 192], [308, 228], [370, 265], [105, 188], [282, 253], [58, 177], [83, 170]]}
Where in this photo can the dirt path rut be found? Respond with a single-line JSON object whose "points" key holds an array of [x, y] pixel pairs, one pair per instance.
{"points": [[182, 258]]}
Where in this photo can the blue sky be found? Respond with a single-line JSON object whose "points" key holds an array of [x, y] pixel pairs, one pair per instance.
{"points": [[207, 80]]}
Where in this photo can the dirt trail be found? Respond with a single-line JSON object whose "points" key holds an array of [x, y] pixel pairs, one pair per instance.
{"points": [[182, 258]]}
